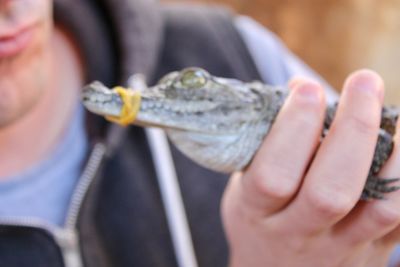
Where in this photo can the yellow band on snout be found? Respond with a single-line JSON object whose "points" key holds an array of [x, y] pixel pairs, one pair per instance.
{"points": [[131, 100]]}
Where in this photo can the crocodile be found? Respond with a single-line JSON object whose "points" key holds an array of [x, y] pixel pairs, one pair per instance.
{"points": [[219, 122]]}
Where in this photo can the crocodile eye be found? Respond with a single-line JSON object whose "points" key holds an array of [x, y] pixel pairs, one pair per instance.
{"points": [[194, 78]]}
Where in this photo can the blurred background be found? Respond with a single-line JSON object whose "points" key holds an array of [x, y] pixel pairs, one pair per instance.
{"points": [[334, 37]]}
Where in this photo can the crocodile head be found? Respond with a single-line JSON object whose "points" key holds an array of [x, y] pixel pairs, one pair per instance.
{"points": [[189, 100], [203, 114]]}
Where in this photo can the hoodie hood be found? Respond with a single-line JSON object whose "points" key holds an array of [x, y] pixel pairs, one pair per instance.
{"points": [[117, 38], [138, 27]]}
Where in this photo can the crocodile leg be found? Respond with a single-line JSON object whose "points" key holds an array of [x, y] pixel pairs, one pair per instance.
{"points": [[376, 187]]}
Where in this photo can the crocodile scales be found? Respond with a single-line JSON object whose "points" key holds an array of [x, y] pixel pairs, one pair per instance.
{"points": [[220, 123]]}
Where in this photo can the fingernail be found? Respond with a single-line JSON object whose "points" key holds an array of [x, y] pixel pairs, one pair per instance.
{"points": [[366, 81], [295, 81], [309, 91]]}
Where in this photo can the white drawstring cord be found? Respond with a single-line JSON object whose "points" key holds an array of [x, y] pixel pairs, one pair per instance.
{"points": [[172, 198], [170, 191]]}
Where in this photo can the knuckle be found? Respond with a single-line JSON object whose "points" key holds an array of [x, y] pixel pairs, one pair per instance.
{"points": [[363, 125], [310, 125], [274, 184], [384, 215], [330, 205]]}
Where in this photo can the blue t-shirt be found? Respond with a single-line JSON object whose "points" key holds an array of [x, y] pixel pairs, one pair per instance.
{"points": [[43, 192]]}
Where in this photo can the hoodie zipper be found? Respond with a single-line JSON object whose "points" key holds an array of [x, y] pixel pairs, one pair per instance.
{"points": [[67, 237]]}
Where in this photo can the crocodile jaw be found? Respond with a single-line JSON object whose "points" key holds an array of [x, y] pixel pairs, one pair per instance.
{"points": [[100, 100]]}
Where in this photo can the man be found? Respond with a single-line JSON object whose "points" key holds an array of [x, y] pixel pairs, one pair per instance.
{"points": [[295, 205]]}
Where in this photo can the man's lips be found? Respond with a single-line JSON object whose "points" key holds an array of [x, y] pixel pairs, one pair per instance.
{"points": [[13, 43]]}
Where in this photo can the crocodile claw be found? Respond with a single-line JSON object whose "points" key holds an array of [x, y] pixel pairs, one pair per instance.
{"points": [[376, 187]]}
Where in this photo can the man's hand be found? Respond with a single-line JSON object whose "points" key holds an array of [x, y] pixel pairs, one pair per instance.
{"points": [[298, 204]]}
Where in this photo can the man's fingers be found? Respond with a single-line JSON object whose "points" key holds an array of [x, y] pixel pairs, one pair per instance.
{"points": [[336, 177], [278, 167]]}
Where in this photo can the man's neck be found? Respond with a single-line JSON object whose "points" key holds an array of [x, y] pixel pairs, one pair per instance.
{"points": [[29, 140]]}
